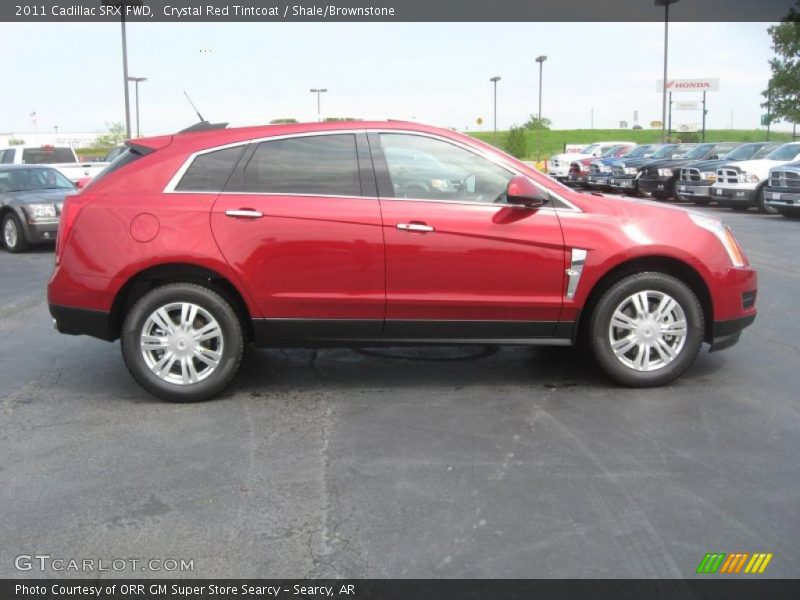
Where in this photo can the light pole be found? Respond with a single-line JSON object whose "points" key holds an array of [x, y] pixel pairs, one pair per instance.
{"points": [[318, 92], [123, 6], [540, 60], [665, 4], [136, 81], [494, 80]]}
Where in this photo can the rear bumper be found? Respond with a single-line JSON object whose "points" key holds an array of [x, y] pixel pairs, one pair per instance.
{"points": [[727, 333], [81, 321]]}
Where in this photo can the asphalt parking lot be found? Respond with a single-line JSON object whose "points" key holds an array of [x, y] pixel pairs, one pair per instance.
{"points": [[439, 462]]}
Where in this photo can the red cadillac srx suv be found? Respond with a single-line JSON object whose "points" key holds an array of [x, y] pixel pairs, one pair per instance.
{"points": [[190, 246]]}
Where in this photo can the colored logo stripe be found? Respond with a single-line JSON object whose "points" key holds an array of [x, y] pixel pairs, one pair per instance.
{"points": [[721, 562]]}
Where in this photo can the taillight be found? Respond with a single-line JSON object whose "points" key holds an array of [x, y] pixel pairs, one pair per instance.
{"points": [[69, 214]]}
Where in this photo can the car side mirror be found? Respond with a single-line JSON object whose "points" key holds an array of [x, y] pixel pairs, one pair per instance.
{"points": [[521, 191]]}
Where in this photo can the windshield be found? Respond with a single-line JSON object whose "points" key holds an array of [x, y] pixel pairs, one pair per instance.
{"points": [[664, 151], [742, 152], [763, 151], [787, 152], [26, 180], [682, 150], [637, 152], [590, 149], [48, 154], [610, 151], [699, 151]]}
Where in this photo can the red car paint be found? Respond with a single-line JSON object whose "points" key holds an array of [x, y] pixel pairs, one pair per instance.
{"points": [[314, 258]]}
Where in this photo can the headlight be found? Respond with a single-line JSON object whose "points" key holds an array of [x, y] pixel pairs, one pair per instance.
{"points": [[665, 172], [724, 235], [631, 170], [41, 211], [751, 178], [709, 175]]}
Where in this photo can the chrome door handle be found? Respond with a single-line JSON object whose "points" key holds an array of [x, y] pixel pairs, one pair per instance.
{"points": [[249, 214], [415, 227]]}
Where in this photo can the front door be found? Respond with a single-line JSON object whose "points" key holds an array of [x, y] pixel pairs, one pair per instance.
{"points": [[460, 262]]}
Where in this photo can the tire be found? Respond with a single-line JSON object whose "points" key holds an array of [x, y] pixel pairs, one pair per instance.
{"points": [[14, 235], [740, 207], [789, 214], [657, 367], [212, 362], [763, 206], [701, 202]]}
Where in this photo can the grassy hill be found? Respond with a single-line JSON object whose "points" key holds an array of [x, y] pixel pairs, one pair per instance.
{"points": [[553, 140]]}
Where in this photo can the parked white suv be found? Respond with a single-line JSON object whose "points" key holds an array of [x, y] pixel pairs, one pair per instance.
{"points": [[740, 185], [62, 158], [558, 165]]}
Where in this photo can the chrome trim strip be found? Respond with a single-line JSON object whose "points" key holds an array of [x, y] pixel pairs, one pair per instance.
{"points": [[250, 214], [170, 187], [575, 270]]}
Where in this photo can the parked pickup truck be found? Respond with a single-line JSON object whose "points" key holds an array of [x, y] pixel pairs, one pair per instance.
{"points": [[657, 179], [62, 158], [741, 185], [600, 170], [696, 179], [624, 171], [559, 165], [579, 169], [783, 189]]}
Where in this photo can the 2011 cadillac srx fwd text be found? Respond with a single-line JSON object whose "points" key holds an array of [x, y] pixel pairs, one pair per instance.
{"points": [[190, 246]]}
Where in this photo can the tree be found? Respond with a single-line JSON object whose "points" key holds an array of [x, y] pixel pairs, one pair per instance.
{"points": [[516, 142], [113, 137], [783, 91], [534, 122]]}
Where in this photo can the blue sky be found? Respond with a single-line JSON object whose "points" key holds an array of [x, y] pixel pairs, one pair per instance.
{"points": [[438, 73]]}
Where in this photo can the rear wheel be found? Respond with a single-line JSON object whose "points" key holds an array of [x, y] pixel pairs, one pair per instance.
{"points": [[13, 234], [646, 330], [182, 342]]}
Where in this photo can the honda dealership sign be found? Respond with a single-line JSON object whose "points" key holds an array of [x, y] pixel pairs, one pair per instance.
{"points": [[688, 85]]}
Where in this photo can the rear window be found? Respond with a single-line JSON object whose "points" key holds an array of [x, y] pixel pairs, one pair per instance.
{"points": [[48, 154], [324, 165], [126, 158], [210, 171]]}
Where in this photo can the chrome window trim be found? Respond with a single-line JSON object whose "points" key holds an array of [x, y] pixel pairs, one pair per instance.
{"points": [[173, 182]]}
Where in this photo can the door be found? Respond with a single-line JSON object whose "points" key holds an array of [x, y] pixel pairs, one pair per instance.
{"points": [[300, 223], [460, 262]]}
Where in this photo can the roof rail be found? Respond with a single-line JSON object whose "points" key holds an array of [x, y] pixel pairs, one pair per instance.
{"points": [[203, 126]]}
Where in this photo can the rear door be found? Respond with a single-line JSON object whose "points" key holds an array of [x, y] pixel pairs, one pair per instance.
{"points": [[300, 223]]}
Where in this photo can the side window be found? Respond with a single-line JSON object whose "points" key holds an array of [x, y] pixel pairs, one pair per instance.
{"points": [[210, 171], [325, 165], [425, 168], [7, 157]]}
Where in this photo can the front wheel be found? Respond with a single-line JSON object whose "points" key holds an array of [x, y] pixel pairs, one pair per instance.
{"points": [[13, 235], [182, 342], [646, 330], [762, 205]]}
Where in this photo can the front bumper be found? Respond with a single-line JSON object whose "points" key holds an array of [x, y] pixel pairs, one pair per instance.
{"points": [[622, 183], [37, 232], [734, 195], [690, 189], [598, 181], [660, 188], [727, 333], [781, 199]]}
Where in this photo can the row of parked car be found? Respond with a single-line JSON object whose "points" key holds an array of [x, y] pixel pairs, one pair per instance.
{"points": [[735, 175]]}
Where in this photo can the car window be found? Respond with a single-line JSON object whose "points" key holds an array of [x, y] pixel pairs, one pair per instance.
{"points": [[24, 180], [209, 172], [441, 170], [325, 165], [762, 152], [786, 152], [7, 156], [47, 154]]}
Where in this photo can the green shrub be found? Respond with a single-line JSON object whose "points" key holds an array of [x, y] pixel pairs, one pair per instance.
{"points": [[516, 142]]}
